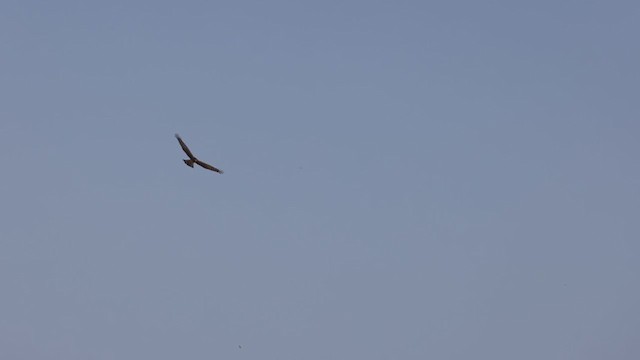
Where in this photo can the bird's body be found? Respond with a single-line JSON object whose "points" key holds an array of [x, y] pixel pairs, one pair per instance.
{"points": [[193, 160]]}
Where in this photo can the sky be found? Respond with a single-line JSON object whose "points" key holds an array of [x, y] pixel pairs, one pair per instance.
{"points": [[403, 180]]}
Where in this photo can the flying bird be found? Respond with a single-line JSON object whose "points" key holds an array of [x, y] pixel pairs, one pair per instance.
{"points": [[193, 160]]}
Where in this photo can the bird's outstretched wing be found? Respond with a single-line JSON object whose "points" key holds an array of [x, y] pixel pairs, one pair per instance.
{"points": [[185, 148], [208, 167]]}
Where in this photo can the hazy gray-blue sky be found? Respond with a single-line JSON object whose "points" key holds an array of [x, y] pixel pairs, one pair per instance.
{"points": [[403, 180]]}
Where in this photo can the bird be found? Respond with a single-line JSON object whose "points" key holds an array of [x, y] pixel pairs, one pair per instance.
{"points": [[193, 160]]}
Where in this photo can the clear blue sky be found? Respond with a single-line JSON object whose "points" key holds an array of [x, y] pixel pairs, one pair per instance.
{"points": [[403, 180]]}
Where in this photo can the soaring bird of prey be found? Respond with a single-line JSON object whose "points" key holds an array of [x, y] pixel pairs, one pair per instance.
{"points": [[193, 160]]}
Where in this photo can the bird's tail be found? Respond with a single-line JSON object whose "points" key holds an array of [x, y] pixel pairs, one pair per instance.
{"points": [[189, 162]]}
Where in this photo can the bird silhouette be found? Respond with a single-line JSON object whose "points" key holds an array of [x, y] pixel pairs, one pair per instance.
{"points": [[193, 160]]}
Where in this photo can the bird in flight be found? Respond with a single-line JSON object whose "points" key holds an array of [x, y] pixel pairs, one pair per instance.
{"points": [[193, 160]]}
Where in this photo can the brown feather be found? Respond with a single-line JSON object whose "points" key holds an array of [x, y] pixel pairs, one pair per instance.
{"points": [[208, 167], [185, 148]]}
